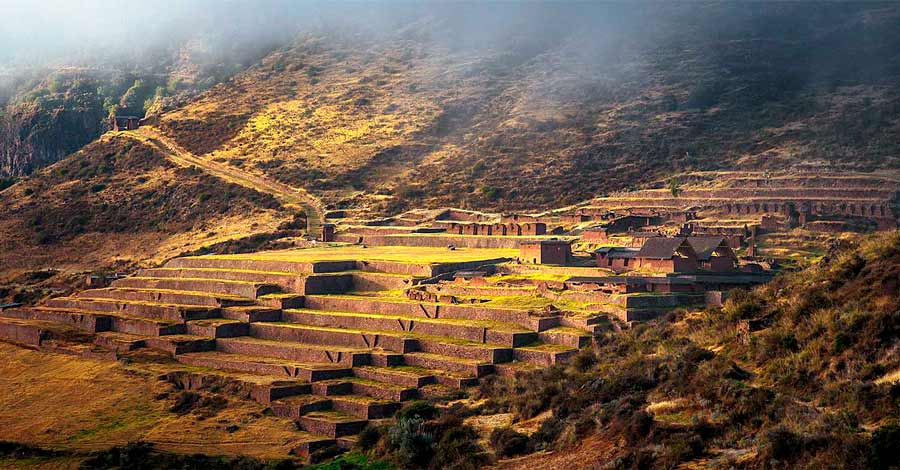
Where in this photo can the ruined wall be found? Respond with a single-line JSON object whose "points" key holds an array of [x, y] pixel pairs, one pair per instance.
{"points": [[430, 241]]}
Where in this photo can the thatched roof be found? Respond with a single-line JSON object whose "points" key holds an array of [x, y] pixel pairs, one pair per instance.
{"points": [[705, 246], [664, 247]]}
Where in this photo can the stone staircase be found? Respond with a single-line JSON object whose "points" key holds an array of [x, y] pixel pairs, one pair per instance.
{"points": [[329, 345]]}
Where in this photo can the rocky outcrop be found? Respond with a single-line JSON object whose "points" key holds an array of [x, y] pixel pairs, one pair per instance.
{"points": [[32, 137]]}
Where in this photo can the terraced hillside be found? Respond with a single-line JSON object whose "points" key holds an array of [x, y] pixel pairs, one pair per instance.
{"points": [[320, 336], [708, 190]]}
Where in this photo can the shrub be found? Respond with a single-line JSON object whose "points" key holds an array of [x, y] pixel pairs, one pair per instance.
{"points": [[418, 409], [490, 192], [6, 182], [839, 343], [459, 449], [781, 443], [408, 445], [884, 446], [549, 431], [508, 442], [368, 438]]}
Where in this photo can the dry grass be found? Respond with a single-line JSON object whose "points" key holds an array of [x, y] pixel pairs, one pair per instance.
{"points": [[401, 254], [62, 402]]}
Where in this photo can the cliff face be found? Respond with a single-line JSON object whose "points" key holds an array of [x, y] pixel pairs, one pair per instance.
{"points": [[50, 112], [31, 137]]}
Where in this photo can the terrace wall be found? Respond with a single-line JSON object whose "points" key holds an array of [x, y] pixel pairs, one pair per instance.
{"points": [[431, 240]]}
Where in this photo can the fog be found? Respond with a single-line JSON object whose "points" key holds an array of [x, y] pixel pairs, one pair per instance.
{"points": [[594, 35], [66, 32]]}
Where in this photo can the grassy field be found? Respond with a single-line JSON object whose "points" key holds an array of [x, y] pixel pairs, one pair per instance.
{"points": [[403, 254], [65, 403]]}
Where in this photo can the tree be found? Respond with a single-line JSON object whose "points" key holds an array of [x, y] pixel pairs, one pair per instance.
{"points": [[674, 186]]}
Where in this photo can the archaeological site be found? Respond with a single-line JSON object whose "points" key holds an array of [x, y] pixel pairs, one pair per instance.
{"points": [[450, 235]]}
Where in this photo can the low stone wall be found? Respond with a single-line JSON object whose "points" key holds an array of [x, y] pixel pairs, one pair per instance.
{"points": [[658, 301], [179, 298], [463, 241], [299, 267], [331, 337], [591, 297], [487, 354], [262, 393], [478, 292], [429, 310], [288, 352], [21, 333], [158, 312], [262, 368], [363, 281], [137, 326], [213, 329], [248, 290], [543, 358], [422, 269], [564, 270], [395, 267], [565, 339], [176, 345], [92, 323], [326, 284]]}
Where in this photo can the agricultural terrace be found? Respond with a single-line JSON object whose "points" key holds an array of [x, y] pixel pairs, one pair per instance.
{"points": [[401, 254]]}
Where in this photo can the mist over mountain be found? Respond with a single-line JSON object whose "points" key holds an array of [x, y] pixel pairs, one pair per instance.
{"points": [[651, 86]]}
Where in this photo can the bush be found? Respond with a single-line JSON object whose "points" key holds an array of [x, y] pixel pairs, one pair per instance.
{"points": [[418, 409], [408, 445], [6, 182], [549, 431], [368, 438], [781, 443], [884, 446], [459, 449], [508, 442]]}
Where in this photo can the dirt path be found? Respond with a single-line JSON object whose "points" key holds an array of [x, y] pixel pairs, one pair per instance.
{"points": [[287, 195]]}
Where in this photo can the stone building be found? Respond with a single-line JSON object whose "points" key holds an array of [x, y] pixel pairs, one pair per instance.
{"points": [[551, 251], [661, 254], [126, 123], [714, 254]]}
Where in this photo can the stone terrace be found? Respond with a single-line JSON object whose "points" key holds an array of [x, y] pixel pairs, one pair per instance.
{"points": [[323, 336], [854, 195]]}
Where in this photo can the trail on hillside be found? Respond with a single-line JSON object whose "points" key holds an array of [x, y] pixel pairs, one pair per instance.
{"points": [[287, 195]]}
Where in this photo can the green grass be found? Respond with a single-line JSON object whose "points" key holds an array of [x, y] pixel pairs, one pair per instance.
{"points": [[352, 461], [133, 417], [547, 347], [567, 330]]}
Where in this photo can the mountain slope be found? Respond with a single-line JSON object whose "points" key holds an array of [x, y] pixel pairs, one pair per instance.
{"points": [[118, 201], [814, 384], [387, 120]]}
